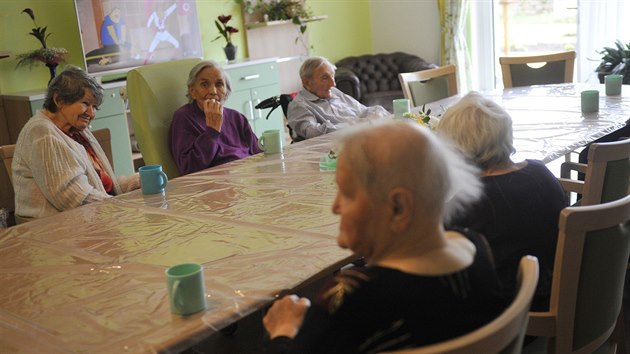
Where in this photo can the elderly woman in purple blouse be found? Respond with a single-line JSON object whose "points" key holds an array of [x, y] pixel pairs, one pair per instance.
{"points": [[203, 132]]}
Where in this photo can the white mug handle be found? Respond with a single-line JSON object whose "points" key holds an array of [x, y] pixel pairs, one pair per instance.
{"points": [[261, 143]]}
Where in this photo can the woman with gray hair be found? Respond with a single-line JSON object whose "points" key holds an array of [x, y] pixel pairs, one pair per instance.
{"points": [[519, 211], [203, 132], [58, 164]]}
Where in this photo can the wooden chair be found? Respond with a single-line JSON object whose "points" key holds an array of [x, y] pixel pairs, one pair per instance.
{"points": [[588, 278], [538, 69], [607, 173], [6, 154], [426, 86], [502, 335], [104, 138]]}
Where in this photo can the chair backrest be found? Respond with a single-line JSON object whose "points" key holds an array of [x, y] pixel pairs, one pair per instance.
{"points": [[505, 333], [426, 86], [6, 154], [538, 69], [588, 277], [607, 173], [104, 138], [155, 92]]}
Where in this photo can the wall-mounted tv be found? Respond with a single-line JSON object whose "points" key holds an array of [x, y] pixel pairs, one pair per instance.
{"points": [[118, 35]]}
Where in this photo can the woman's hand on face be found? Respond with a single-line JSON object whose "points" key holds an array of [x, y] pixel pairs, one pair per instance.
{"points": [[213, 111], [285, 316]]}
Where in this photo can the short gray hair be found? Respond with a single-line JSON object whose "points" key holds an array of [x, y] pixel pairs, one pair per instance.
{"points": [[311, 64], [480, 129], [192, 76], [410, 156], [70, 86]]}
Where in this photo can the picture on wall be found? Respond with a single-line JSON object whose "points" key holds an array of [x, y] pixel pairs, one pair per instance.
{"points": [[118, 35]]}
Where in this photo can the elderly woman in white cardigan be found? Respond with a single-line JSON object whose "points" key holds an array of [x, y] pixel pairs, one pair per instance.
{"points": [[58, 164]]}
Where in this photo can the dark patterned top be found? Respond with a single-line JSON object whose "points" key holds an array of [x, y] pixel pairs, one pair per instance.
{"points": [[374, 309], [518, 215]]}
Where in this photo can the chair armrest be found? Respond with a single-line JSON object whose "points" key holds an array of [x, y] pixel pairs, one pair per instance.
{"points": [[567, 167], [348, 82], [541, 324], [570, 185]]}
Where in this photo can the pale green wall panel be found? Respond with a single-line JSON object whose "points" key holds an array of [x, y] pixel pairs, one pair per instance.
{"points": [[346, 32]]}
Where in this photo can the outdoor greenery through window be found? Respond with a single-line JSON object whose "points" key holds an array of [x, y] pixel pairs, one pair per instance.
{"points": [[533, 27]]}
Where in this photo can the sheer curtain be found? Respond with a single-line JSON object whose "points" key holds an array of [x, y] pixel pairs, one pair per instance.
{"points": [[600, 24], [453, 16]]}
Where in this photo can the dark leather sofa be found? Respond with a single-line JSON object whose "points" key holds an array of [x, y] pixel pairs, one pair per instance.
{"points": [[372, 79]]}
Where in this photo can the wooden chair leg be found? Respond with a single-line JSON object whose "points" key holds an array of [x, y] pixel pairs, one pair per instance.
{"points": [[619, 333]]}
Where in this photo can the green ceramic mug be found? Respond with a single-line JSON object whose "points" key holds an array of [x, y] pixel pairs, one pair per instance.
{"points": [[590, 101], [613, 84], [270, 142], [186, 288]]}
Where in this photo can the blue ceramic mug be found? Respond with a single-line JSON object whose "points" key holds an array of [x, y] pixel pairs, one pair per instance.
{"points": [[153, 179]]}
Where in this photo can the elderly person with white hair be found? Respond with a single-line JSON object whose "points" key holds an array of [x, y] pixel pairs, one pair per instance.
{"points": [[396, 184], [321, 108], [58, 164], [519, 211], [205, 133]]}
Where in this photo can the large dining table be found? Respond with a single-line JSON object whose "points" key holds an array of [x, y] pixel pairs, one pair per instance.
{"points": [[547, 119], [91, 279]]}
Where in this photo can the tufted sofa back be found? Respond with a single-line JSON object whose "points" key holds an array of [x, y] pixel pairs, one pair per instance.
{"points": [[379, 72], [377, 76]]}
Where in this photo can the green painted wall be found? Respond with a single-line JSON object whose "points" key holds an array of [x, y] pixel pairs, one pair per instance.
{"points": [[346, 32]]}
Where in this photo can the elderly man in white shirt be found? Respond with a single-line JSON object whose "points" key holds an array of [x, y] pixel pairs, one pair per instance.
{"points": [[321, 108]]}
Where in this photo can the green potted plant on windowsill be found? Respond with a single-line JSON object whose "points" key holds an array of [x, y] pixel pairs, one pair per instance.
{"points": [[615, 61]]}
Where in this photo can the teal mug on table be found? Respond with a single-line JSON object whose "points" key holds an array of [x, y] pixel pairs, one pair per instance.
{"points": [[186, 288], [613, 84], [270, 142], [590, 101], [153, 179]]}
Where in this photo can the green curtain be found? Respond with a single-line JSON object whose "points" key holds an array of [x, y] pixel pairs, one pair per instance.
{"points": [[453, 18]]}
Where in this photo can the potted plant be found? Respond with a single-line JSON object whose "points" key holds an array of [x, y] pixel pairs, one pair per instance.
{"points": [[278, 10], [615, 61], [226, 31], [49, 56]]}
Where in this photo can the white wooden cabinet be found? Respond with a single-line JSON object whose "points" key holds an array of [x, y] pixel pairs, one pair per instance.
{"points": [[252, 82]]}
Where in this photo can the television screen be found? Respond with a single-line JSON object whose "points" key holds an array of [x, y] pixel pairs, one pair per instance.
{"points": [[118, 35]]}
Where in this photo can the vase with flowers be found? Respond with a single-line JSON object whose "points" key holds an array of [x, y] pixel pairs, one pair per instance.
{"points": [[51, 57], [226, 32]]}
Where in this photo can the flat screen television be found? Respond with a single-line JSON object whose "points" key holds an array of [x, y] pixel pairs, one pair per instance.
{"points": [[118, 35]]}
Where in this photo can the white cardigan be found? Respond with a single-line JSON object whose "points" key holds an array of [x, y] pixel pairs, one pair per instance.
{"points": [[53, 173]]}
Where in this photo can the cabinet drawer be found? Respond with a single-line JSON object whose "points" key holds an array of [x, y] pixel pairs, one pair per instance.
{"points": [[112, 103], [251, 76]]}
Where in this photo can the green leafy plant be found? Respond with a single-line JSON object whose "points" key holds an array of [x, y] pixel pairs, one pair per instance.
{"points": [[422, 117], [279, 10], [47, 55], [615, 61]]}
